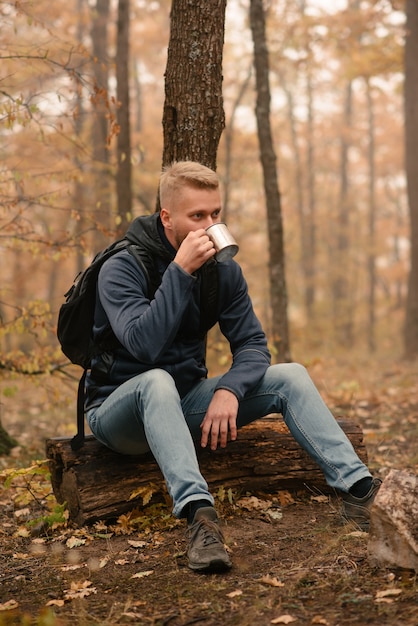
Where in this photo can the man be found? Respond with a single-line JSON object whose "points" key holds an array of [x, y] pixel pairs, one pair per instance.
{"points": [[153, 392]]}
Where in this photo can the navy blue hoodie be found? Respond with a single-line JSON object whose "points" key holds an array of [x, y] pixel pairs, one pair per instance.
{"points": [[163, 332]]}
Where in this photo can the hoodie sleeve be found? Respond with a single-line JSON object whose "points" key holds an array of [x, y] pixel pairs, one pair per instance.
{"points": [[241, 327], [145, 328]]}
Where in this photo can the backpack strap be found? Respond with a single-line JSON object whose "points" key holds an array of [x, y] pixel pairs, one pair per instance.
{"points": [[208, 296], [77, 441], [110, 341], [147, 264]]}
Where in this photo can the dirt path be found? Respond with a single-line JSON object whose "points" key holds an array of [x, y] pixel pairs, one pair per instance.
{"points": [[293, 560]]}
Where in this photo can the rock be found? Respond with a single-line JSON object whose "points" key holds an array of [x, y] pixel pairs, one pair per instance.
{"points": [[393, 537]]}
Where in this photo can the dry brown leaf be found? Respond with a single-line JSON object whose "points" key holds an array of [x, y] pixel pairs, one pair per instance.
{"points": [[79, 590], [21, 555], [55, 603], [137, 544], [9, 605], [321, 499], [251, 503], [143, 574], [387, 593], [146, 492], [318, 619], [273, 582], [75, 542], [234, 594], [22, 513], [285, 498], [71, 568], [284, 619]]}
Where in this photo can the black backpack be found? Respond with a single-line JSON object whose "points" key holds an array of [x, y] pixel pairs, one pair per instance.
{"points": [[76, 314]]}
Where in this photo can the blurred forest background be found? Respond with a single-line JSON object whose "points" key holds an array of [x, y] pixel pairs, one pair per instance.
{"points": [[337, 75]]}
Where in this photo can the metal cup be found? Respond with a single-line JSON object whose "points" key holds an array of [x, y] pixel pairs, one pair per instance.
{"points": [[225, 245]]}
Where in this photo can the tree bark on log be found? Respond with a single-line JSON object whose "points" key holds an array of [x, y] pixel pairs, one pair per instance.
{"points": [[97, 483]]}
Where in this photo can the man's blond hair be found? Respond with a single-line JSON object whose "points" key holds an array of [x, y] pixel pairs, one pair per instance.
{"points": [[182, 174]]}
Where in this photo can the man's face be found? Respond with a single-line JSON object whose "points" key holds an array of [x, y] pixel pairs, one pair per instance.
{"points": [[191, 210]]}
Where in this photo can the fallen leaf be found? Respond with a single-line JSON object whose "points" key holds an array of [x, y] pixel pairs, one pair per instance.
{"points": [[234, 594], [285, 498], [71, 568], [275, 513], [21, 555], [284, 619], [79, 590], [273, 582], [318, 619], [142, 574], [121, 562], [146, 492], [251, 503], [9, 605], [22, 513], [74, 542], [320, 498], [387, 592], [137, 544], [55, 603]]}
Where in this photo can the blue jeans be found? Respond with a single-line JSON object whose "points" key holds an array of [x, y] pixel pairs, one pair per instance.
{"points": [[146, 413]]}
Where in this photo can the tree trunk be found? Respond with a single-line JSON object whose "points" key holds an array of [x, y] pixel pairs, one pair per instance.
{"points": [[278, 292], [124, 165], [311, 200], [79, 193], [299, 183], [6, 441], [193, 118], [97, 483], [228, 138], [341, 278], [101, 183], [372, 223], [411, 158]]}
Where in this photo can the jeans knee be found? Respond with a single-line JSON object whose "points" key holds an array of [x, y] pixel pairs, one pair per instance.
{"points": [[158, 381], [157, 376], [292, 375]]}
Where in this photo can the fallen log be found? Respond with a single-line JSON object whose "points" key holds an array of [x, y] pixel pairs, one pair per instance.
{"points": [[97, 483]]}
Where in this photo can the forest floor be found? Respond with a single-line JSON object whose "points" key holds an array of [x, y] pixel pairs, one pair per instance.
{"points": [[294, 562]]}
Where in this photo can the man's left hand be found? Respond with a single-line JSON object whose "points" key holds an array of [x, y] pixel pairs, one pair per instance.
{"points": [[220, 420]]}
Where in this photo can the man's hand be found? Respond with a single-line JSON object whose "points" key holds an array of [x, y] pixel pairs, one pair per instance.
{"points": [[220, 419], [194, 251]]}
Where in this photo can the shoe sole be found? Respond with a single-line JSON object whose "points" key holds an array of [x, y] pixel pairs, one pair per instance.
{"points": [[215, 566]]}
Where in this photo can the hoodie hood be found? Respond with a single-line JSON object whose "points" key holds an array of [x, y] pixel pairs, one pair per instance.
{"points": [[144, 231]]}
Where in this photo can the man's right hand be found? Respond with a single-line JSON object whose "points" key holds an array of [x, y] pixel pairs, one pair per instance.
{"points": [[194, 251]]}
